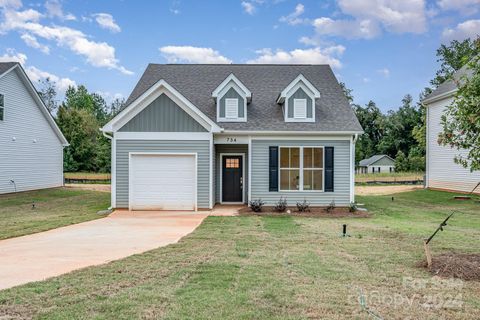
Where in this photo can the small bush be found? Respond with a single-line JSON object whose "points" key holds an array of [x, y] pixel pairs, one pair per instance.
{"points": [[256, 205], [303, 206], [353, 207], [281, 205], [330, 207]]}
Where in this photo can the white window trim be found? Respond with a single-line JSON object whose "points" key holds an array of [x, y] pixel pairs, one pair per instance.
{"points": [[233, 102], [295, 106], [222, 93], [311, 96], [221, 176], [301, 169]]}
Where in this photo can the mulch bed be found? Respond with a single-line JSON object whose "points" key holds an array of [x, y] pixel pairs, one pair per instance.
{"points": [[314, 212], [456, 265]]}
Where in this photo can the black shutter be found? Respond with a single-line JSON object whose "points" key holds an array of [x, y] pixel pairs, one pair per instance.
{"points": [[329, 169], [273, 169]]}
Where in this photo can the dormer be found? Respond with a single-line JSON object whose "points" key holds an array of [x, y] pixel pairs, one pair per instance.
{"points": [[298, 100], [231, 98]]}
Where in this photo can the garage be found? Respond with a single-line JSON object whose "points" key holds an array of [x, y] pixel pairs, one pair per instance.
{"points": [[162, 181]]}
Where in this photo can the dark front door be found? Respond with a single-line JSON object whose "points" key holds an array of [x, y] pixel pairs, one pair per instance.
{"points": [[232, 179]]}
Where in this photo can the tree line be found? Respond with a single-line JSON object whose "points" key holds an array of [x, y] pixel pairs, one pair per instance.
{"points": [[401, 133]]}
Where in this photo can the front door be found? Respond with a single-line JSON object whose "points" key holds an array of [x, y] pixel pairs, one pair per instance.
{"points": [[232, 178]]}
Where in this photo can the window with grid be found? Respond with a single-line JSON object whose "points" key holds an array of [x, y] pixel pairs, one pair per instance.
{"points": [[301, 168]]}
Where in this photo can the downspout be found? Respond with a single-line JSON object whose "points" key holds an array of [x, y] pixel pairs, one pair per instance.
{"points": [[109, 138]]}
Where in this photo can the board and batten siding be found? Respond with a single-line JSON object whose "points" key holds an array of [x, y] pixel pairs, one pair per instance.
{"points": [[442, 171], [31, 153], [230, 148], [162, 115], [201, 147], [342, 174], [299, 94]]}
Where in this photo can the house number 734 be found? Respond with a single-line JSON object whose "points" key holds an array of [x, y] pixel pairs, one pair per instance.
{"points": [[231, 139]]}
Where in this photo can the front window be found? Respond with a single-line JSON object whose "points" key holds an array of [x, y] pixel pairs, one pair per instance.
{"points": [[301, 168], [2, 107]]}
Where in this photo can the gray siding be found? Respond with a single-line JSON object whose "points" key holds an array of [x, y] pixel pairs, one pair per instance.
{"points": [[300, 94], [232, 93], [31, 153], [384, 161], [200, 147], [260, 174], [163, 115], [229, 148]]}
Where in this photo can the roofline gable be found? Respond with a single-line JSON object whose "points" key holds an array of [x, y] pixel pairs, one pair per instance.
{"points": [[43, 108], [227, 80], [300, 78], [159, 88]]}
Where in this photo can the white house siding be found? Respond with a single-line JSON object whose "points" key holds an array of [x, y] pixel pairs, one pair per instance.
{"points": [[382, 168], [442, 171], [342, 173], [32, 165]]}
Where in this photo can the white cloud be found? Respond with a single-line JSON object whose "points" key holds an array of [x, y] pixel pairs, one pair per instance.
{"points": [[248, 7], [54, 9], [98, 54], [106, 21], [189, 54], [109, 96], [294, 17], [34, 73], [385, 72], [316, 55], [366, 29], [13, 4], [464, 30], [32, 41], [463, 6]]}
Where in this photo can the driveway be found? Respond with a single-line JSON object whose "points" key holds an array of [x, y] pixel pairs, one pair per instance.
{"points": [[39, 256]]}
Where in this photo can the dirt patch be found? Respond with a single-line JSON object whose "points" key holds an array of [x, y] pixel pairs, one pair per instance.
{"points": [[92, 187], [452, 265], [314, 212], [384, 190]]}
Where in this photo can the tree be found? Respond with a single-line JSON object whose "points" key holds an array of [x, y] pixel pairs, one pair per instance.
{"points": [[372, 121], [48, 94], [347, 92], [461, 120], [454, 56], [401, 162]]}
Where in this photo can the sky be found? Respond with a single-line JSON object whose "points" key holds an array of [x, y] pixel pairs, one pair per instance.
{"points": [[381, 49]]}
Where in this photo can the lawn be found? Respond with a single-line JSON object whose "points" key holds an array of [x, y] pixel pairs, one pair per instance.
{"points": [[388, 176], [277, 267], [87, 175], [53, 208]]}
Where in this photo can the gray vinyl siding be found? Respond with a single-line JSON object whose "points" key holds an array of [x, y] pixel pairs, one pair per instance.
{"points": [[229, 148], [163, 115], [201, 147], [31, 153], [260, 174], [300, 94], [384, 161], [232, 93]]}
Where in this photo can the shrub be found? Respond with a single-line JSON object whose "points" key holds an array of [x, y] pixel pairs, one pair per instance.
{"points": [[303, 206], [330, 207], [353, 207], [256, 205], [281, 205]]}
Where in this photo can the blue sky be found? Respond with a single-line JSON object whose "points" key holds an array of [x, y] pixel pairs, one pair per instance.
{"points": [[382, 49]]}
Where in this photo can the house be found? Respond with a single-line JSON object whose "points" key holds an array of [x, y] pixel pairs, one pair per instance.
{"points": [[31, 144], [376, 164], [191, 136], [441, 170]]}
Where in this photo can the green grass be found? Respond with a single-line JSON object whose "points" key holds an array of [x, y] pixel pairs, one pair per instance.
{"points": [[53, 208], [274, 268], [388, 176]]}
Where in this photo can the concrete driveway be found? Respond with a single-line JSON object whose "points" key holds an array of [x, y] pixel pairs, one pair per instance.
{"points": [[42, 255]]}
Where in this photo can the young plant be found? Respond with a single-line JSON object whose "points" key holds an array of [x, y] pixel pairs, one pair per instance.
{"points": [[281, 205], [256, 205], [353, 207], [303, 206], [330, 207]]}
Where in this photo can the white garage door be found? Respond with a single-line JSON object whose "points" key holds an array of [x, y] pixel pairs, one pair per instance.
{"points": [[162, 182]]}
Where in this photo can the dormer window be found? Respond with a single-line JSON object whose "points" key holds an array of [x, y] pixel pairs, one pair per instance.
{"points": [[298, 100], [231, 98]]}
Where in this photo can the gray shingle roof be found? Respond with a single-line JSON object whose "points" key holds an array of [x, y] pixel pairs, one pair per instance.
{"points": [[5, 66], [197, 82], [450, 84], [371, 160]]}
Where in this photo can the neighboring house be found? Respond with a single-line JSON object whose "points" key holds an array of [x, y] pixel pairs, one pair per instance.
{"points": [[31, 144], [441, 170], [191, 136], [376, 164]]}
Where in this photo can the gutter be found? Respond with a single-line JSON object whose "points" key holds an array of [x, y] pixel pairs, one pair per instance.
{"points": [[444, 95]]}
